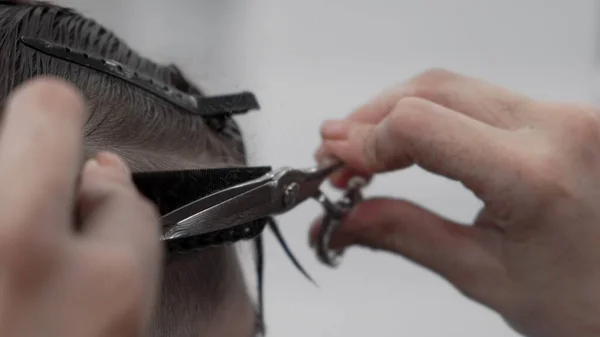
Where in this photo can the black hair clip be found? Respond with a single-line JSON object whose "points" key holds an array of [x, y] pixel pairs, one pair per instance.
{"points": [[211, 106], [11, 2]]}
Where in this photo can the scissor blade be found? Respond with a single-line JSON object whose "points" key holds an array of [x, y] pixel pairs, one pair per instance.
{"points": [[213, 199], [243, 208]]}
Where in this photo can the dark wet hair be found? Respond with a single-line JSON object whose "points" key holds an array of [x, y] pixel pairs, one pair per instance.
{"points": [[122, 116]]}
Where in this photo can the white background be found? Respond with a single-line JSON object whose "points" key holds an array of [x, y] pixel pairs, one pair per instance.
{"points": [[314, 59]]}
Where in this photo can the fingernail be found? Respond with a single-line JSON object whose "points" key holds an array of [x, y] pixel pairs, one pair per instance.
{"points": [[90, 164], [327, 161], [324, 159], [114, 161], [335, 129]]}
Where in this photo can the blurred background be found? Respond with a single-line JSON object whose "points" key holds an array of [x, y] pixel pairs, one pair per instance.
{"points": [[312, 60]]}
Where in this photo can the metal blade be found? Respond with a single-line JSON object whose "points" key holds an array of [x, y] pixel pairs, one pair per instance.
{"points": [[213, 199], [243, 208]]}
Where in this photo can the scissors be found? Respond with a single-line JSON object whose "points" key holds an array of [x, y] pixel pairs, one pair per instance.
{"points": [[276, 192]]}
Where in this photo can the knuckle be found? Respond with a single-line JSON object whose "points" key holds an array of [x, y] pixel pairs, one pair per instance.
{"points": [[433, 76], [546, 176], [431, 84], [409, 116], [375, 151], [387, 146], [582, 124]]}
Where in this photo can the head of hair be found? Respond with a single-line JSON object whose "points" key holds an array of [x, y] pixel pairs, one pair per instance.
{"points": [[149, 132], [121, 116]]}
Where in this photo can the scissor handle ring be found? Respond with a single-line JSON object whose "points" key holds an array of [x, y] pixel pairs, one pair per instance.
{"points": [[326, 255], [334, 215]]}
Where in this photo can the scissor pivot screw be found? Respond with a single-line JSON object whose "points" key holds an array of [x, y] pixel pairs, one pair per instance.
{"points": [[291, 194]]}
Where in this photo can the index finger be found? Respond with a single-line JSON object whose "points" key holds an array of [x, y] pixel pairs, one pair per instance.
{"points": [[485, 102], [437, 139], [41, 149], [470, 97]]}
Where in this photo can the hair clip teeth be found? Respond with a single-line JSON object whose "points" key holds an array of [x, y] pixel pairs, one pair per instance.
{"points": [[208, 107]]}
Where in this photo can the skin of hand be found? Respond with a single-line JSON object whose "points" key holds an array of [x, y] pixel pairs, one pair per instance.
{"points": [[533, 252], [79, 248]]}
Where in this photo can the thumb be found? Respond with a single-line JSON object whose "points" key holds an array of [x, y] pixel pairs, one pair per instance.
{"points": [[462, 254]]}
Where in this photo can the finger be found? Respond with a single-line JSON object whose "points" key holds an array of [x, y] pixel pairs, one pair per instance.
{"points": [[482, 101], [400, 227], [485, 220], [119, 223], [488, 103], [41, 149], [433, 137], [458, 253], [111, 209], [119, 171], [341, 177]]}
